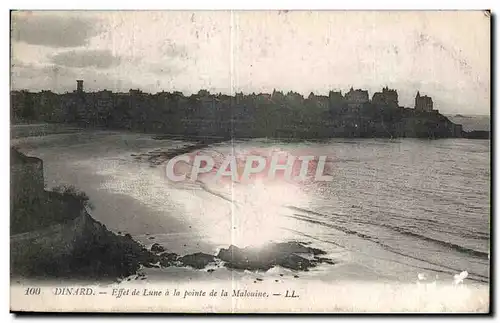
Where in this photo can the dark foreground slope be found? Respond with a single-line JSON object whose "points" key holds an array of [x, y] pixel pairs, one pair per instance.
{"points": [[76, 248], [53, 234], [83, 248]]}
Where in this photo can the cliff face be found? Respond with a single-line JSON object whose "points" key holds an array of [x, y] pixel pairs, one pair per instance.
{"points": [[372, 122], [433, 125], [52, 233], [26, 179]]}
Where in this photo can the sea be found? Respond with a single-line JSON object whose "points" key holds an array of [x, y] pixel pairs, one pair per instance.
{"points": [[394, 209]]}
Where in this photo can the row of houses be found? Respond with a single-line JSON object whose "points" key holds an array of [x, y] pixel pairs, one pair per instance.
{"points": [[105, 107], [387, 97]]}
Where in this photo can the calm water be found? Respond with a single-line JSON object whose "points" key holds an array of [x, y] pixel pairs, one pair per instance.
{"points": [[395, 208]]}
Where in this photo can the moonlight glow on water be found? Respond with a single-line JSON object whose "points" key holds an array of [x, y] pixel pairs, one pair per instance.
{"points": [[384, 214]]}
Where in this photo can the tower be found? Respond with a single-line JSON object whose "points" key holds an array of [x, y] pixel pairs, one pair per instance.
{"points": [[423, 103], [79, 86]]}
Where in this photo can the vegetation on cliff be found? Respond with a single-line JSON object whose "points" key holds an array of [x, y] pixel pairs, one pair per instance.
{"points": [[53, 235]]}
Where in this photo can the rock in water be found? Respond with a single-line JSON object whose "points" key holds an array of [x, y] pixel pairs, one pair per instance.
{"points": [[168, 259], [197, 260], [287, 255]]}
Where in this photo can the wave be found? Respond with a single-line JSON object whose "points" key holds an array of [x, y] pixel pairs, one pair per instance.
{"points": [[447, 244], [451, 270], [205, 188], [328, 216], [456, 247], [336, 227]]}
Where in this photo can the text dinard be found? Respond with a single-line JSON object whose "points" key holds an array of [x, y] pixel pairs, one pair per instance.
{"points": [[186, 293]]}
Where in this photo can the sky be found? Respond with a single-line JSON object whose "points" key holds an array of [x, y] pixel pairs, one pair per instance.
{"points": [[443, 54]]}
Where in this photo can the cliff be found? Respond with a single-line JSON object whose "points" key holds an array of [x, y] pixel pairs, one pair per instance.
{"points": [[53, 235], [26, 180]]}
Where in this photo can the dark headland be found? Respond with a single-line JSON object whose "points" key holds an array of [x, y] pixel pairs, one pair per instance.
{"points": [[277, 115]]}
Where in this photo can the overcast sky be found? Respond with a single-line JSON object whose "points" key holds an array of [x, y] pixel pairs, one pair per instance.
{"points": [[445, 55]]}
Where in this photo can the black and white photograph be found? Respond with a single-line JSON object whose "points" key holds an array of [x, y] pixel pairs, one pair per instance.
{"points": [[250, 161]]}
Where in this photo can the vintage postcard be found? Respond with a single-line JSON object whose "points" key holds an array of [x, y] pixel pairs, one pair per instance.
{"points": [[250, 161]]}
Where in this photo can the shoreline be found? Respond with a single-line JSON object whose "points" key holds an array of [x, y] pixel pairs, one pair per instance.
{"points": [[471, 134]]}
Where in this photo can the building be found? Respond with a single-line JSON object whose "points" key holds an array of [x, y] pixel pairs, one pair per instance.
{"points": [[335, 96], [423, 103], [21, 105], [356, 98], [387, 97], [47, 106], [135, 93], [103, 103]]}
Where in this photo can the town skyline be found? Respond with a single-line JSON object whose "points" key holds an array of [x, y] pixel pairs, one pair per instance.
{"points": [[201, 92], [232, 52], [276, 114]]}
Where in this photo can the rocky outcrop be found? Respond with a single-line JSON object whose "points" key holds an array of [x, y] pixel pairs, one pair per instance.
{"points": [[26, 180], [197, 260], [292, 255], [157, 248], [84, 248]]}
